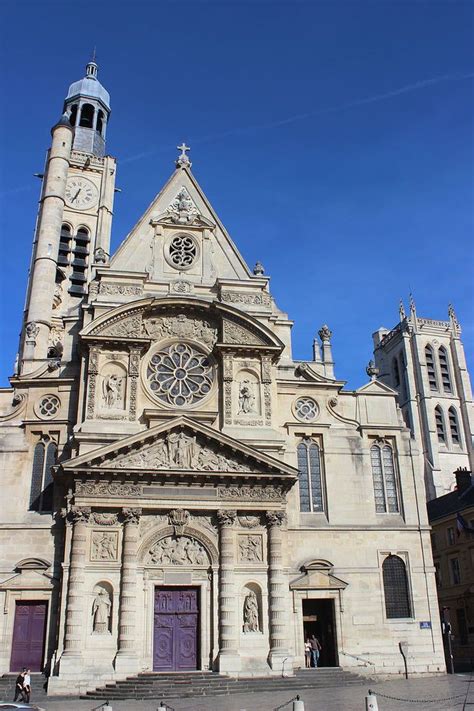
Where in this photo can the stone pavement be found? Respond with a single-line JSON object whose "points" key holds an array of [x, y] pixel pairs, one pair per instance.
{"points": [[433, 692]]}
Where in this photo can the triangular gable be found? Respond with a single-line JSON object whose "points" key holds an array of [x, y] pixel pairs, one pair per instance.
{"points": [[375, 387], [318, 576], [134, 252], [180, 445]]}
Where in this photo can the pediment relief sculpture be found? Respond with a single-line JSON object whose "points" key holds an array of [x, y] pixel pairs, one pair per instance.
{"points": [[180, 326], [182, 210], [178, 550], [177, 450], [236, 334]]}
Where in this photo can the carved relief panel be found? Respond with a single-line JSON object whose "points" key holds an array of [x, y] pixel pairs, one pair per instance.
{"points": [[104, 545], [250, 548], [247, 396]]}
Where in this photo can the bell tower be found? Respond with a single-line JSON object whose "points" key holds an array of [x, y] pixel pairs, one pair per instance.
{"points": [[73, 225]]}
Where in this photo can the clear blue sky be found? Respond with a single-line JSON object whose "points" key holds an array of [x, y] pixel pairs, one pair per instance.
{"points": [[334, 140]]}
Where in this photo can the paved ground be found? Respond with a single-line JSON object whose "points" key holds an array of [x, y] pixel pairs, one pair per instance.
{"points": [[433, 694]]}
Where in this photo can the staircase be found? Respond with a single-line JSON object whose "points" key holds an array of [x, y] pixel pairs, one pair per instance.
{"points": [[152, 685], [7, 688]]}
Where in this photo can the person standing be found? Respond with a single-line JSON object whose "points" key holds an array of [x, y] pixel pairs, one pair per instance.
{"points": [[20, 686], [315, 650], [27, 686], [307, 653]]}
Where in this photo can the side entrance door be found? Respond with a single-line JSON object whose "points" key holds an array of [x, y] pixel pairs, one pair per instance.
{"points": [[175, 644], [29, 632]]}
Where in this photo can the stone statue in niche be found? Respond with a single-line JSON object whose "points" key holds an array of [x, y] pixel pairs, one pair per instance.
{"points": [[104, 546], [251, 613], [101, 609], [112, 390], [246, 398], [178, 551], [250, 549]]}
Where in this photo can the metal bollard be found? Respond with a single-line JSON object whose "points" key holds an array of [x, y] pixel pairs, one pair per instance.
{"points": [[298, 705], [371, 702]]}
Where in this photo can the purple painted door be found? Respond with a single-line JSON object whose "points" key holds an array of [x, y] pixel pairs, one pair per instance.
{"points": [[176, 629], [28, 636]]}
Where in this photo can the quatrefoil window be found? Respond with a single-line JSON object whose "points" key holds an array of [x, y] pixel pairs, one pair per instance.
{"points": [[180, 375], [182, 251], [48, 407], [306, 409]]}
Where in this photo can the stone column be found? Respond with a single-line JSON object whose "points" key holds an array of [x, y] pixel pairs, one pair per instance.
{"points": [[229, 660], [73, 642], [277, 597], [126, 661]]}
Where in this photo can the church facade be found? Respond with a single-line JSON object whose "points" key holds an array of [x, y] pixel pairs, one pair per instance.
{"points": [[180, 493]]}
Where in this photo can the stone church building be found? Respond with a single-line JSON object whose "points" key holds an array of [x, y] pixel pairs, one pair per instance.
{"points": [[179, 493]]}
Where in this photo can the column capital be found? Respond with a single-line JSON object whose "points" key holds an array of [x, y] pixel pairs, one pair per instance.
{"points": [[132, 515], [275, 518], [79, 514], [226, 517]]}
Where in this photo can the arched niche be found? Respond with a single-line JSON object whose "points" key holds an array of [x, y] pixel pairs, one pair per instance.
{"points": [[113, 386], [252, 618], [156, 550], [102, 608], [247, 393]]}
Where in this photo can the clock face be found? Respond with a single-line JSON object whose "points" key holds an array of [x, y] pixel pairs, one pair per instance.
{"points": [[81, 193]]}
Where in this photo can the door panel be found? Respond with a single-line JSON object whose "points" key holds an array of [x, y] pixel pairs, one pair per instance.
{"points": [[28, 636], [176, 629]]}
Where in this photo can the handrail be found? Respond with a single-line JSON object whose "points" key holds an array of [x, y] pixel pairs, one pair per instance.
{"points": [[354, 656]]}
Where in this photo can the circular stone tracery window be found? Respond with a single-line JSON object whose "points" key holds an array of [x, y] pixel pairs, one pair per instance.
{"points": [[180, 375], [48, 407], [306, 409], [182, 251]]}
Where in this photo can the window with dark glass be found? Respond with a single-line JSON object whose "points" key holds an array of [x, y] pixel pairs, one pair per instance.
{"points": [[396, 372], [440, 428], [384, 478], [41, 491], [396, 591], [310, 477], [450, 536], [455, 571], [430, 367], [79, 262], [454, 426], [444, 369]]}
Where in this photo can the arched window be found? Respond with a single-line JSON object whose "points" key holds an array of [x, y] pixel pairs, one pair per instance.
{"points": [[310, 479], [79, 262], [384, 478], [440, 427], [87, 116], [403, 377], [64, 246], [444, 369], [41, 492], [396, 372], [73, 115], [430, 367], [100, 122], [395, 585], [454, 426]]}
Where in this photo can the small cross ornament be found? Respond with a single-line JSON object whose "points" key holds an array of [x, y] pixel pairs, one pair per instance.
{"points": [[183, 160]]}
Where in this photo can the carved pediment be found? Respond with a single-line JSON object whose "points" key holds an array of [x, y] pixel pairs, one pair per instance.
{"points": [[181, 445], [237, 334], [318, 576]]}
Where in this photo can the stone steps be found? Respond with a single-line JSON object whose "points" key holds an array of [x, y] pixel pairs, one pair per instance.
{"points": [[149, 685], [7, 687]]}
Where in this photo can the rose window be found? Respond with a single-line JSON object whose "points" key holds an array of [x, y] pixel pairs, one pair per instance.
{"points": [[306, 409], [180, 375], [49, 406], [182, 251]]}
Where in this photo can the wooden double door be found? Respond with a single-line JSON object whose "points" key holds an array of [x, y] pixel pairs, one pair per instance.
{"points": [[176, 628], [29, 632]]}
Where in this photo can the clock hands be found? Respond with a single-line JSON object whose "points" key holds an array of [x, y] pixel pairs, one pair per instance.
{"points": [[75, 196]]}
